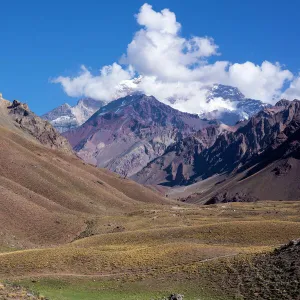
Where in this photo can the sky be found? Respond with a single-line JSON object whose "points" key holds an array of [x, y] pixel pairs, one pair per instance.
{"points": [[58, 51]]}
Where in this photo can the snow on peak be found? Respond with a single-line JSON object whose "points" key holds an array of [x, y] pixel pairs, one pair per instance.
{"points": [[66, 117]]}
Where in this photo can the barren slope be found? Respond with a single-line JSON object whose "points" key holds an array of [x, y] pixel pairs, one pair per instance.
{"points": [[46, 196]]}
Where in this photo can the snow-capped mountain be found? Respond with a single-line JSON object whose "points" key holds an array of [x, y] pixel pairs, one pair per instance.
{"points": [[224, 103], [127, 88], [66, 117], [225, 92], [231, 105]]}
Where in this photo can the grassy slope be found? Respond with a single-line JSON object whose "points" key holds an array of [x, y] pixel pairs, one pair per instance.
{"points": [[158, 247]]}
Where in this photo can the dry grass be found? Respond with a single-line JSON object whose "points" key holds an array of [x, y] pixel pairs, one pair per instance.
{"points": [[145, 245]]}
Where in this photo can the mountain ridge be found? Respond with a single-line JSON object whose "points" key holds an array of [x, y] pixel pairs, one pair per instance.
{"points": [[129, 132], [231, 105]]}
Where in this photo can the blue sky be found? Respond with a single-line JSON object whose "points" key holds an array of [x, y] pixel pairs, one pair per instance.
{"points": [[41, 40]]}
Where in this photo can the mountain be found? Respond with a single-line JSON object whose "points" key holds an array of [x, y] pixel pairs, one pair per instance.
{"points": [[235, 106], [260, 160], [264, 131], [66, 117], [125, 135], [177, 165], [256, 159], [230, 105], [64, 219]]}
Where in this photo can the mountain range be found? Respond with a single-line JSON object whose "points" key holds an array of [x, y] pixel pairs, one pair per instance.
{"points": [[140, 137], [232, 106], [259, 160], [238, 106], [130, 132]]}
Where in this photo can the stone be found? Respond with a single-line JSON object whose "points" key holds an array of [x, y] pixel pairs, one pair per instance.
{"points": [[176, 297]]}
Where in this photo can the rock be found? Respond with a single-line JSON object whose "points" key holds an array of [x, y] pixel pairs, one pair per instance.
{"points": [[226, 197], [37, 127], [235, 151], [176, 297], [177, 165], [15, 104]]}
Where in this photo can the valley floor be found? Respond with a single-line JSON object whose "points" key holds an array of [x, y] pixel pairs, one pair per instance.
{"points": [[154, 251]]}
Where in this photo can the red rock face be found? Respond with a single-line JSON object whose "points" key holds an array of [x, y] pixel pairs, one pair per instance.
{"points": [[128, 133]]}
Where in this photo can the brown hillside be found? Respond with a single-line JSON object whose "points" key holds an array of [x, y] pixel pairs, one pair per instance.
{"points": [[46, 196]]}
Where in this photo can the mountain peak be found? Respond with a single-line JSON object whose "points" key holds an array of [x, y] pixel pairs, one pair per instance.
{"points": [[90, 102], [147, 109], [66, 117], [225, 92], [129, 132]]}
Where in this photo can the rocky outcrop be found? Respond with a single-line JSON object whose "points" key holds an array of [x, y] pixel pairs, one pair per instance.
{"points": [[40, 129], [227, 196]]}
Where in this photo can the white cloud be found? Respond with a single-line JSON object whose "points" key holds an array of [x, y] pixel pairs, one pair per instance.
{"points": [[259, 82], [176, 67], [164, 22], [190, 96], [158, 49], [101, 87], [293, 91]]}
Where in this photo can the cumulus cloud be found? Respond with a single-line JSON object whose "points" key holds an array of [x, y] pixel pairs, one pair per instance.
{"points": [[158, 49], [293, 91], [175, 67], [101, 86], [259, 82], [164, 21]]}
